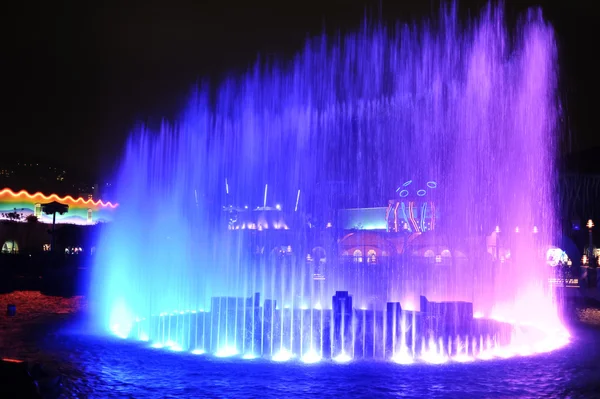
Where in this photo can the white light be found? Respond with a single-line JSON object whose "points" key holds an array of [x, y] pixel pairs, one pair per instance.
{"points": [[176, 348], [265, 199], [282, 356], [311, 357], [463, 358], [198, 352], [403, 357], [297, 200], [226, 352], [342, 358], [249, 356], [157, 345], [434, 357], [120, 331], [278, 207]]}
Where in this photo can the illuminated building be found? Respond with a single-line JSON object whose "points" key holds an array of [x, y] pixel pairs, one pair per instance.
{"points": [[81, 211], [17, 233]]}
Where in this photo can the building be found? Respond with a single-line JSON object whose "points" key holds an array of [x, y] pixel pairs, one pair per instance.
{"points": [[24, 225]]}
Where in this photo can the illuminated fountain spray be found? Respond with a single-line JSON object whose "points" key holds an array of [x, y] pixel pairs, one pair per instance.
{"points": [[472, 107]]}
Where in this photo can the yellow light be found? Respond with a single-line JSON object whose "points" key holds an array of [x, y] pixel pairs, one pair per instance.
{"points": [[53, 197]]}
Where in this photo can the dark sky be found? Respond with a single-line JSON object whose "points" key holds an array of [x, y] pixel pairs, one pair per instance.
{"points": [[77, 75]]}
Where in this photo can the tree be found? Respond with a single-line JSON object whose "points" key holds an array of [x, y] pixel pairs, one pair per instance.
{"points": [[13, 216], [31, 221]]}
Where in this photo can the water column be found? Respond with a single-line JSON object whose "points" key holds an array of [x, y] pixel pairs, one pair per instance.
{"points": [[342, 313], [393, 317], [473, 106]]}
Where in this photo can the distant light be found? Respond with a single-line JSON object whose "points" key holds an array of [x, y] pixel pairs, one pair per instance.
{"points": [[157, 345], [535, 230], [278, 207], [517, 229], [477, 315], [297, 200], [10, 360], [245, 206], [75, 202], [328, 225], [198, 352], [497, 229], [249, 356], [589, 224]]}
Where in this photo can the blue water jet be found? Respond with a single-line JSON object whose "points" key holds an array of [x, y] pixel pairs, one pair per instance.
{"points": [[238, 196]]}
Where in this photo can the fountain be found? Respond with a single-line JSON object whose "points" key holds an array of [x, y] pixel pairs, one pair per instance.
{"points": [[225, 240]]}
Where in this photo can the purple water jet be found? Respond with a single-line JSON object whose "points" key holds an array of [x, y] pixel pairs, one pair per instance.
{"points": [[211, 207]]}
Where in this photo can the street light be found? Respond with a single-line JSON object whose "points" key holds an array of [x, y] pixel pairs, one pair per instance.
{"points": [[590, 225]]}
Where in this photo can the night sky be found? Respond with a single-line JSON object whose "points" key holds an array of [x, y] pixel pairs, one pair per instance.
{"points": [[77, 75]]}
